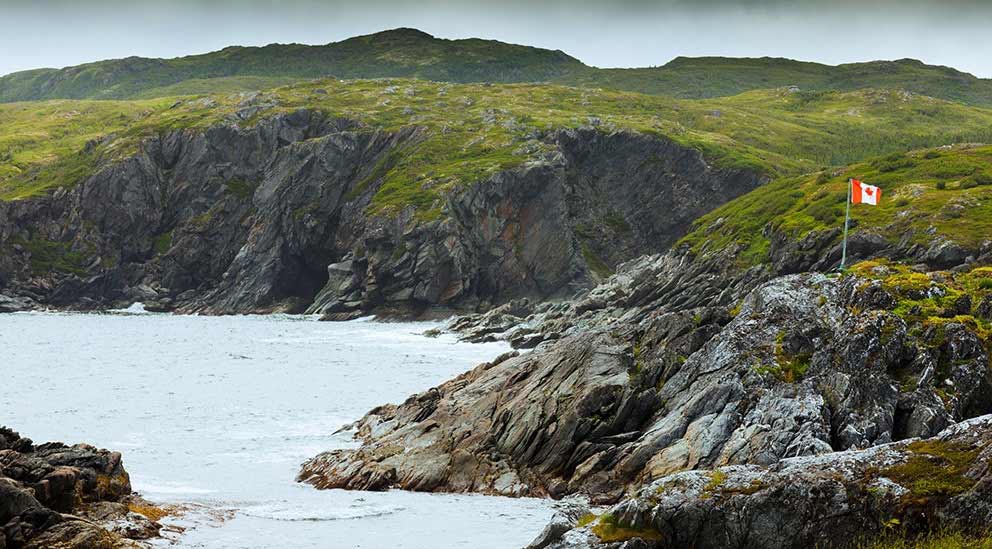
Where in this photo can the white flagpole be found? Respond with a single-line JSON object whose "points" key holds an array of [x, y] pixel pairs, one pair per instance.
{"points": [[847, 218]]}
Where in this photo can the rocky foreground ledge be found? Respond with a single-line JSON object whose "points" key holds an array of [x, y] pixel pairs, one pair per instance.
{"points": [[53, 495], [841, 499]]}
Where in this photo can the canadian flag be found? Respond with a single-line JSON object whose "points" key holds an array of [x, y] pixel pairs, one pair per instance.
{"points": [[864, 194]]}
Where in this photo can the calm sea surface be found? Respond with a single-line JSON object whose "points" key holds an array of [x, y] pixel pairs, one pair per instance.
{"points": [[219, 412]]}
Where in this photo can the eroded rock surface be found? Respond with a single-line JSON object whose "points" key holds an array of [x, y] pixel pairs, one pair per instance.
{"points": [[838, 499], [53, 495], [804, 365]]}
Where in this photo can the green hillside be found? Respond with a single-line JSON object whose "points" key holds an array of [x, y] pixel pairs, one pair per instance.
{"points": [[398, 53], [473, 130], [947, 191], [408, 53], [720, 76]]}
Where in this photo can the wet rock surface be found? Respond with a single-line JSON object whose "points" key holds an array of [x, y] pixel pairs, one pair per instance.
{"points": [[275, 218], [53, 495]]}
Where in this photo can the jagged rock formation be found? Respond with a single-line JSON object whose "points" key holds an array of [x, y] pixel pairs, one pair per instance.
{"points": [[805, 365], [53, 495], [680, 280], [689, 364], [274, 218], [831, 500]]}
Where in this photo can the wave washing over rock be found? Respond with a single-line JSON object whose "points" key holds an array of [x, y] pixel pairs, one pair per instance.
{"points": [[53, 495]]}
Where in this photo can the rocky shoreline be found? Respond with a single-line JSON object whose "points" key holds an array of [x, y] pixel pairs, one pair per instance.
{"points": [[690, 366], [687, 372], [54, 495]]}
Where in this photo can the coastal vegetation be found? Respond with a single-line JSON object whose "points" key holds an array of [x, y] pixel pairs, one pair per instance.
{"points": [[915, 204], [470, 131]]}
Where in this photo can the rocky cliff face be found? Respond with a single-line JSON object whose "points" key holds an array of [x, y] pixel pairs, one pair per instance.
{"points": [[53, 495], [275, 218]]}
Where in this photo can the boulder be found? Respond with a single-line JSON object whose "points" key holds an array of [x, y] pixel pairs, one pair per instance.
{"points": [[54, 495]]}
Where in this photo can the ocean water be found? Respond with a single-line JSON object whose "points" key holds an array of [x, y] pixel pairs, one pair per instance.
{"points": [[217, 413]]}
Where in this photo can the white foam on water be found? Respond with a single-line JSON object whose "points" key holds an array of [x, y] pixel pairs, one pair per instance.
{"points": [[288, 512], [136, 308], [164, 488]]}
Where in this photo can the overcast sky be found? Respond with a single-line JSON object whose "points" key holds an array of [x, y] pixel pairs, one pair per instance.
{"points": [[624, 33]]}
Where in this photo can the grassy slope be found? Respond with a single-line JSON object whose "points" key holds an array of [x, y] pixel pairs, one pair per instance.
{"points": [[912, 202], [399, 53], [703, 77], [474, 130], [406, 53]]}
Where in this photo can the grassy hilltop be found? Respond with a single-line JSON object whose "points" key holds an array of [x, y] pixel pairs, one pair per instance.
{"points": [[792, 121], [947, 190], [473, 130], [409, 53], [702, 77], [399, 53]]}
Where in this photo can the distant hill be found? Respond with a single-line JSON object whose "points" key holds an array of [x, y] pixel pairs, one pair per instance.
{"points": [[409, 53], [703, 77], [395, 53]]}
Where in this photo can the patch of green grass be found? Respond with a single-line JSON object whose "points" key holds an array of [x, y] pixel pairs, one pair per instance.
{"points": [[934, 469], [933, 540], [241, 188], [162, 243], [788, 368], [616, 221], [609, 530], [586, 520], [48, 257], [201, 221], [302, 211], [593, 261], [923, 302], [717, 478]]}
